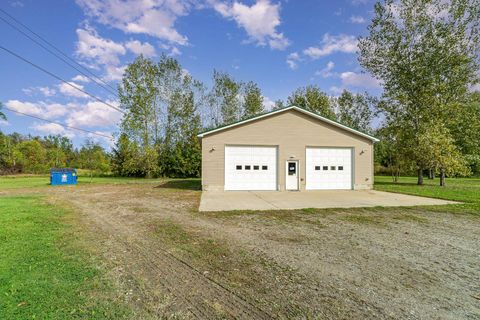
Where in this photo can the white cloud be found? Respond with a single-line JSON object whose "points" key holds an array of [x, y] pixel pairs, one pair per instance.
{"points": [[45, 110], [359, 2], [260, 21], [17, 4], [357, 19], [68, 89], [93, 114], [141, 48], [55, 110], [174, 51], [45, 91], [268, 103], [80, 78], [24, 107], [152, 17], [97, 50], [292, 60], [327, 71], [114, 73], [359, 80], [4, 123], [53, 128], [331, 44], [336, 90]]}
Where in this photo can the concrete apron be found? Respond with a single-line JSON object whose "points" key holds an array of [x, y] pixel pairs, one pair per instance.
{"points": [[281, 200]]}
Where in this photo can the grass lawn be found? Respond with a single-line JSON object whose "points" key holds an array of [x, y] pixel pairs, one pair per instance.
{"points": [[27, 181], [46, 272], [466, 190]]}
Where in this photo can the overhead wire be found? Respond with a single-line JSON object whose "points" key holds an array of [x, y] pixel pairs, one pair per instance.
{"points": [[58, 123], [59, 78], [98, 80]]}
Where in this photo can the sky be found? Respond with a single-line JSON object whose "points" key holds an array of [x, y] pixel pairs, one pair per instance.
{"points": [[279, 44]]}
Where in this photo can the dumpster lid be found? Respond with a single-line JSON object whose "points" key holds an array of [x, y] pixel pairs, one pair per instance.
{"points": [[63, 170]]}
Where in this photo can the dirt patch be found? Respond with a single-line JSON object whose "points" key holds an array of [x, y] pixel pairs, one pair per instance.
{"points": [[171, 261]]}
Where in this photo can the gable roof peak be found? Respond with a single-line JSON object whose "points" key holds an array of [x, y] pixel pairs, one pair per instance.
{"points": [[291, 107]]}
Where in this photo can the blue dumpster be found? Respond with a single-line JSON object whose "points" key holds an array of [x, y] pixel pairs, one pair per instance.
{"points": [[63, 176]]}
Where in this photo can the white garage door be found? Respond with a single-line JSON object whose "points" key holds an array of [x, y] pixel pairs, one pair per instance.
{"points": [[329, 168], [250, 168]]}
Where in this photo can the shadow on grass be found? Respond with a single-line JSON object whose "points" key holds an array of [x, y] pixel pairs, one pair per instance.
{"points": [[184, 184], [391, 183]]}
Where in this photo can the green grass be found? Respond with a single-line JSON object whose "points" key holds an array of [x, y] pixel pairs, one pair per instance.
{"points": [[22, 181], [466, 190], [46, 272]]}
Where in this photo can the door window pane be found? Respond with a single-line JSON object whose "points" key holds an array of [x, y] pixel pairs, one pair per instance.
{"points": [[264, 167], [292, 168], [332, 167], [325, 168], [317, 168], [340, 168], [239, 167], [256, 167], [247, 167]]}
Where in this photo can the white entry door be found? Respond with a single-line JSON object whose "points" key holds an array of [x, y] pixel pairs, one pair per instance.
{"points": [[328, 168], [250, 168], [291, 176]]}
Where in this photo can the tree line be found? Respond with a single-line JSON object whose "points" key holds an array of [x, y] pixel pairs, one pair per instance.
{"points": [[424, 53], [166, 108], [36, 155]]}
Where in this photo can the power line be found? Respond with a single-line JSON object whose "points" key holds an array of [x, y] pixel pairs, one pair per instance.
{"points": [[58, 56], [58, 123], [60, 79], [56, 49]]}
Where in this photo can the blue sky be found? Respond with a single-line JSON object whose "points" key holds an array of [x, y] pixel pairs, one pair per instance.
{"points": [[281, 45]]}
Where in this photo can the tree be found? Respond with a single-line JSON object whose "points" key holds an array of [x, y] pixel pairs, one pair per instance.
{"points": [[137, 94], [32, 156], [93, 157], [437, 149], [163, 117], [312, 99], [426, 55], [279, 104], [252, 100], [2, 115], [225, 98], [125, 156], [356, 110], [59, 151], [465, 130]]}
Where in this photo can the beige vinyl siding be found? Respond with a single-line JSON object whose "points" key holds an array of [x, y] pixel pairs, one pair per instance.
{"points": [[291, 131]]}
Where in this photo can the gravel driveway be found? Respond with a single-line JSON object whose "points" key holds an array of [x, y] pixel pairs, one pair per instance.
{"points": [[384, 263]]}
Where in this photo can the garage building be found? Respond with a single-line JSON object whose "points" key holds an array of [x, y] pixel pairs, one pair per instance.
{"points": [[286, 149]]}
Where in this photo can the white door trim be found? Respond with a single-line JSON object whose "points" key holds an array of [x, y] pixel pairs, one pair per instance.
{"points": [[296, 185]]}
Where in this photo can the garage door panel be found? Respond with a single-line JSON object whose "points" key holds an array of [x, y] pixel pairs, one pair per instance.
{"points": [[328, 168], [250, 168]]}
